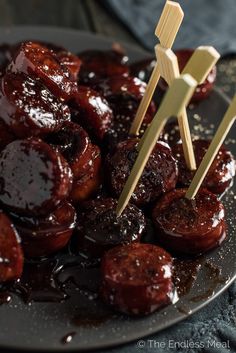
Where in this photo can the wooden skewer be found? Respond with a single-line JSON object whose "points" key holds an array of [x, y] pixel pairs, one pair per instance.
{"points": [[169, 68], [201, 63], [198, 66], [166, 30], [213, 149], [177, 96]]}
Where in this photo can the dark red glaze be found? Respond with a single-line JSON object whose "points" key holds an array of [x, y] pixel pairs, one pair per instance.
{"points": [[137, 278], [143, 68], [67, 60], [220, 174], [73, 142], [35, 60], [85, 186], [42, 236], [118, 89], [124, 114], [11, 255], [28, 108], [92, 111], [202, 91], [189, 226], [97, 64], [99, 228], [71, 63], [159, 176], [34, 178]]}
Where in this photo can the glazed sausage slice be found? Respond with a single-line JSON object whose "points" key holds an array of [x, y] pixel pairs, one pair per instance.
{"points": [[73, 142], [159, 176], [99, 229], [71, 62], [220, 174], [11, 264], [97, 64], [87, 185], [28, 108], [202, 91], [37, 61], [92, 111], [137, 278], [189, 226], [42, 236], [118, 89], [34, 178]]}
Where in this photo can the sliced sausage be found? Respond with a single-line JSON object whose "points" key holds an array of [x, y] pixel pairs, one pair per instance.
{"points": [[137, 278], [189, 226], [118, 89], [97, 64], [34, 178], [28, 108], [11, 255], [92, 111], [73, 142], [99, 228], [88, 184], [42, 236], [159, 176], [35, 60], [220, 174]]}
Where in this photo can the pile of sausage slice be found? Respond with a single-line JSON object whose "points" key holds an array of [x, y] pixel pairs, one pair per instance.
{"points": [[65, 155]]}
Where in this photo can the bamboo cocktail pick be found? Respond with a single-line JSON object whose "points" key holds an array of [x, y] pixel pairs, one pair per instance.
{"points": [[176, 98], [213, 149], [169, 68], [166, 30], [198, 66]]}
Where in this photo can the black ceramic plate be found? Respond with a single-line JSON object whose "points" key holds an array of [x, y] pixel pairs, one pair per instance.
{"points": [[42, 325]]}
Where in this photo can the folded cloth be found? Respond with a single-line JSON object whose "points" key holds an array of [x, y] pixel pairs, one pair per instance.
{"points": [[206, 22]]}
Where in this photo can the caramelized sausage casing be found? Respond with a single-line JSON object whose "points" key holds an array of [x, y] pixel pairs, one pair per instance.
{"points": [[137, 278], [189, 226]]}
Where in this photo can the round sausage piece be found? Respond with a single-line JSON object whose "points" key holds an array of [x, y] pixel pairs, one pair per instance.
{"points": [[99, 228], [11, 255], [73, 142], [220, 174], [34, 178], [42, 236], [88, 184], [97, 64], [159, 176], [36, 60], [92, 111], [28, 108], [189, 226], [118, 90], [137, 278]]}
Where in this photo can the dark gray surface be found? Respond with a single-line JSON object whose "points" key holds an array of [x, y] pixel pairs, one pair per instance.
{"points": [[42, 325]]}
